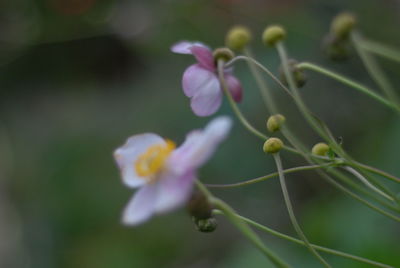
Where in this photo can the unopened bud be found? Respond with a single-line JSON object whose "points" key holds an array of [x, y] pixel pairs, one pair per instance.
{"points": [[273, 145], [198, 206], [273, 34], [224, 54], [298, 74], [206, 225], [275, 122], [238, 37], [343, 24], [336, 49], [320, 149]]}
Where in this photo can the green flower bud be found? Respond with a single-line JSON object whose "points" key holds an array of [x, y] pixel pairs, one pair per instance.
{"points": [[343, 24], [206, 225], [320, 149], [224, 54], [273, 145], [275, 122], [198, 206], [238, 37], [336, 49], [299, 75], [273, 34]]}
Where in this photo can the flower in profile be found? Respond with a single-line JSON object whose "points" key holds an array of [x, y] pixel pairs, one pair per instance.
{"points": [[200, 81], [165, 174]]}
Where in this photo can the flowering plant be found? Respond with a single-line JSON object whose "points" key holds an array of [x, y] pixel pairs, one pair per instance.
{"points": [[166, 174]]}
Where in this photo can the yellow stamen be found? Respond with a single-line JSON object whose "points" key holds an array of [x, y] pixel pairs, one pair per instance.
{"points": [[151, 161]]}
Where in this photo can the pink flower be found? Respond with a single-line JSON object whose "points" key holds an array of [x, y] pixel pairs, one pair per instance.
{"points": [[200, 81], [165, 175]]}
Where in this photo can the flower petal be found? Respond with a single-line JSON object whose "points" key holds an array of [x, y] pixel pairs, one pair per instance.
{"points": [[174, 190], [208, 98], [200, 145], [234, 86], [127, 154], [195, 78], [204, 56], [183, 47], [141, 207]]}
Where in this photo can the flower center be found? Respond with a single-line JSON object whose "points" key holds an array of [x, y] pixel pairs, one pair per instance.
{"points": [[151, 161]]}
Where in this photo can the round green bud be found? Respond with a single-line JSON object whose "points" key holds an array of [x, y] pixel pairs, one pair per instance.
{"points": [[224, 54], [343, 24], [273, 145], [206, 225], [273, 34], [275, 122], [299, 75], [320, 149], [238, 37]]}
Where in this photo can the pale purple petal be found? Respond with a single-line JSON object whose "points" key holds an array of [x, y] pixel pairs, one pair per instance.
{"points": [[183, 47], [195, 78], [234, 86], [208, 98], [141, 207], [199, 146], [174, 190], [204, 57], [127, 155]]}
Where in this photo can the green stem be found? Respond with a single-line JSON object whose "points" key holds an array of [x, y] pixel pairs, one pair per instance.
{"points": [[237, 111], [246, 231], [233, 105], [367, 183], [300, 242], [262, 85], [242, 226], [380, 49], [291, 212], [374, 170], [266, 177], [369, 92], [374, 69]]}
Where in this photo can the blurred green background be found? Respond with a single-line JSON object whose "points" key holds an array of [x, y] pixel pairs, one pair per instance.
{"points": [[79, 77]]}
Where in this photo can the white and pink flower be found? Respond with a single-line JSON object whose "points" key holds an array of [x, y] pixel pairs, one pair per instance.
{"points": [[165, 174], [200, 81]]}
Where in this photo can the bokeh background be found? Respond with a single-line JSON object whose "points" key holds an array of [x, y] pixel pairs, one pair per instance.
{"points": [[79, 77]]}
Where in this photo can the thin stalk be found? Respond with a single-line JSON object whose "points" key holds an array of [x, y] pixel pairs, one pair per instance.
{"points": [[380, 49], [233, 105], [374, 170], [367, 183], [300, 242], [363, 89], [262, 85], [291, 212], [301, 105], [242, 226], [237, 111], [374, 69], [248, 232], [266, 177]]}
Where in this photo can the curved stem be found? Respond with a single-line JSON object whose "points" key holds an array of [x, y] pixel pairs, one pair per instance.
{"points": [[374, 170], [262, 67], [291, 213], [374, 69], [266, 177], [367, 183], [365, 90], [233, 105], [380, 49], [262, 85], [300, 242], [242, 226]]}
